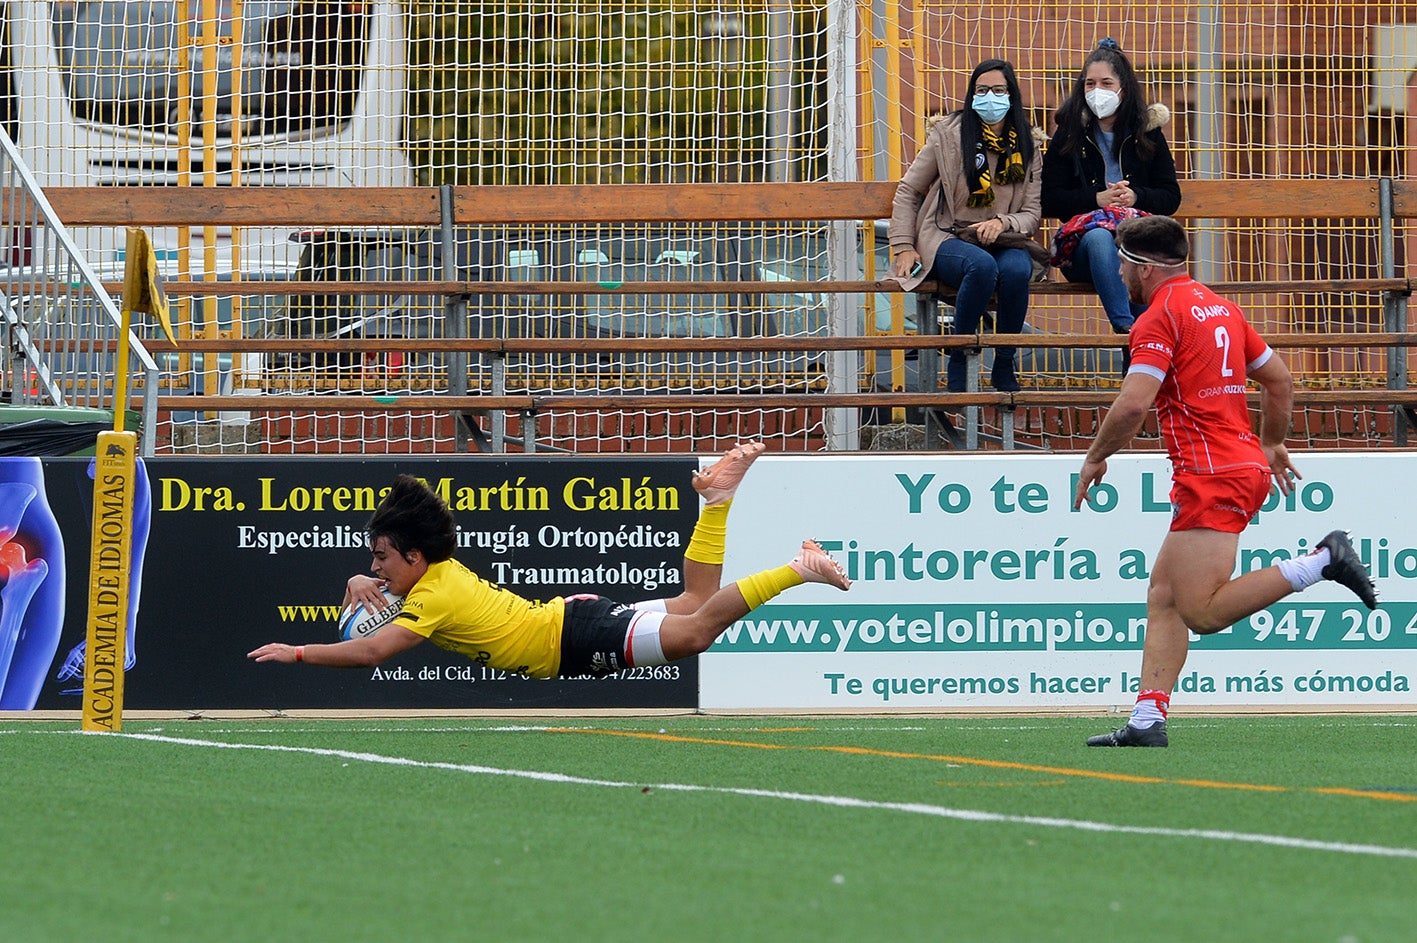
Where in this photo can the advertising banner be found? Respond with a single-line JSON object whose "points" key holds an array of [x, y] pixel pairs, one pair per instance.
{"points": [[235, 552], [978, 585]]}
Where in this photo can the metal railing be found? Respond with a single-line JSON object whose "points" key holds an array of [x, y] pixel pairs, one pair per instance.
{"points": [[60, 324]]}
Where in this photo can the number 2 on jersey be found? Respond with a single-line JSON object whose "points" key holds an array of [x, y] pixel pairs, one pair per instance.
{"points": [[1222, 343]]}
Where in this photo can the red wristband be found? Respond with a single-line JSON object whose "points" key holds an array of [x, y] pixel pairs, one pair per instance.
{"points": [[300, 653]]}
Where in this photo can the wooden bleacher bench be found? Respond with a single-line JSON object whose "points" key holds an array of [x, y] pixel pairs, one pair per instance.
{"points": [[1359, 198], [1379, 203]]}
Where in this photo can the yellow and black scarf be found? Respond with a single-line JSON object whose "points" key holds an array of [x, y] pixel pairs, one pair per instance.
{"points": [[1009, 167]]}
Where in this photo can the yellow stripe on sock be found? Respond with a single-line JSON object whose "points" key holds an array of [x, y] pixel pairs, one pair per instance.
{"points": [[760, 587], [710, 534]]}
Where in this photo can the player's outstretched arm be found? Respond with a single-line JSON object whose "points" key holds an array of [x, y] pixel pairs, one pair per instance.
{"points": [[356, 653]]}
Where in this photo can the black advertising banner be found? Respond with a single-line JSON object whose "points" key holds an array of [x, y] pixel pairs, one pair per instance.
{"points": [[241, 551]]}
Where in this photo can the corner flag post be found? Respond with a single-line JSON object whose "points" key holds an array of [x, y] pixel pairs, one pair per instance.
{"points": [[142, 291], [115, 474], [110, 569]]}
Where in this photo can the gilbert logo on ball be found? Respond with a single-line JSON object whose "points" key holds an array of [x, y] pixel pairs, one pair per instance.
{"points": [[357, 622]]}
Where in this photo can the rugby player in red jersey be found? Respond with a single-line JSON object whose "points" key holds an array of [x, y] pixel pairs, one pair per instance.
{"points": [[1191, 353]]}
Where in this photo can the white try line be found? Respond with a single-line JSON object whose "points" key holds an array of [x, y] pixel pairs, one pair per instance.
{"points": [[289, 727], [846, 802]]}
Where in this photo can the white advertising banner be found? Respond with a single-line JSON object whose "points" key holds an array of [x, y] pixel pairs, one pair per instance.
{"points": [[976, 584]]}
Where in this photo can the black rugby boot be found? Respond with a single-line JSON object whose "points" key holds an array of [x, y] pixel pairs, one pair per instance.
{"points": [[1129, 736], [1346, 569]]}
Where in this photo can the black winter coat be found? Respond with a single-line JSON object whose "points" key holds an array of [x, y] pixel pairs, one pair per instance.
{"points": [[1072, 181]]}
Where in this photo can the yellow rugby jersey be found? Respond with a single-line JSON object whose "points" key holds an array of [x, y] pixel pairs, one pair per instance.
{"points": [[456, 609]]}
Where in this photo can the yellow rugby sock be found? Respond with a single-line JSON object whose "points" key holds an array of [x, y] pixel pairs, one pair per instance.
{"points": [[760, 587], [710, 534]]}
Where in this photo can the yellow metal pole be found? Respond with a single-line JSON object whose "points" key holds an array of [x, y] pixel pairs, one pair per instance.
{"points": [[184, 166], [865, 68], [238, 86], [134, 267], [210, 42], [894, 162]]}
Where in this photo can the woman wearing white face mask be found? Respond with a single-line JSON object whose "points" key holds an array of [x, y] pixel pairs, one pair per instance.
{"points": [[966, 210], [1107, 153]]}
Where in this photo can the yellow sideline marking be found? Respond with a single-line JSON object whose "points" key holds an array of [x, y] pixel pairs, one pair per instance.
{"points": [[996, 764], [1365, 793]]}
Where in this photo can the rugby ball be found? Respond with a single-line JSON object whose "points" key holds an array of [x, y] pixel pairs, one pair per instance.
{"points": [[357, 622]]}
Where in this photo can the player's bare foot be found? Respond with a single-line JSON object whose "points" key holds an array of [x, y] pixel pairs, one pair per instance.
{"points": [[815, 565], [719, 481]]}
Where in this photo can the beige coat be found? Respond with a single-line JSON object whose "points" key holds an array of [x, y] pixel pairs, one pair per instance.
{"points": [[921, 220]]}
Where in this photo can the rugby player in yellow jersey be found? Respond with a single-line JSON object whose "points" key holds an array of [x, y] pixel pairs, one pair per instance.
{"points": [[413, 536]]}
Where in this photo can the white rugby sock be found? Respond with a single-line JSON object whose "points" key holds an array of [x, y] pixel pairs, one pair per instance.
{"points": [[1150, 709], [1144, 714], [1303, 572]]}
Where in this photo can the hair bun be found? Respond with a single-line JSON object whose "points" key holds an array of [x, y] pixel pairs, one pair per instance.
{"points": [[1109, 43]]}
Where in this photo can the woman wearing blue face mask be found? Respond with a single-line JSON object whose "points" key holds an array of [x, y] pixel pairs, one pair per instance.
{"points": [[1108, 159], [965, 211]]}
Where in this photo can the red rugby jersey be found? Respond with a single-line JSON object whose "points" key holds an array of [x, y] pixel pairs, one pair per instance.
{"points": [[1200, 347]]}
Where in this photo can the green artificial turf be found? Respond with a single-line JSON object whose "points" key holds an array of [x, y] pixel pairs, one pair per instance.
{"points": [[841, 828]]}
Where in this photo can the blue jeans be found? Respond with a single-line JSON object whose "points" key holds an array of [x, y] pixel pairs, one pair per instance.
{"points": [[1095, 260], [976, 273]]}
